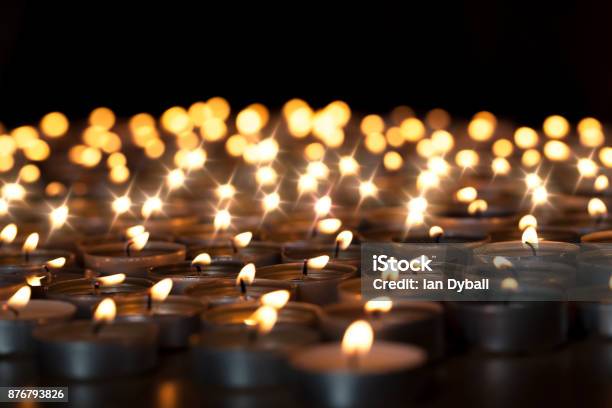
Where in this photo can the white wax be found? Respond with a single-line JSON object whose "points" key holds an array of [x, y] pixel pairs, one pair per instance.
{"points": [[40, 310]]}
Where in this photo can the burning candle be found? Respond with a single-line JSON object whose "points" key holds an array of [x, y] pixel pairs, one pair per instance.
{"points": [[101, 348], [19, 315], [358, 370]]}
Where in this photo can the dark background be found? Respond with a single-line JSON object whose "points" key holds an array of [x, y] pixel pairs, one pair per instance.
{"points": [[507, 57]]}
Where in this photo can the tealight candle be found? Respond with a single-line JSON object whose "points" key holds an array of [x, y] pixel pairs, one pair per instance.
{"points": [[315, 279], [359, 371], [102, 348], [86, 293], [253, 354], [176, 316], [419, 323], [19, 316]]}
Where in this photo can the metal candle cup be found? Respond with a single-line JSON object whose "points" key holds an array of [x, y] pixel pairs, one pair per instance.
{"points": [[186, 274], [258, 253], [231, 357], [300, 250], [72, 350], [38, 257], [389, 371], [218, 292], [594, 267], [418, 323], [16, 329], [516, 251], [318, 286], [112, 258], [177, 317], [84, 294]]}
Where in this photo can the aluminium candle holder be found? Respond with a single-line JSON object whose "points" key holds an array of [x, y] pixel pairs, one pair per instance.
{"points": [[185, 274], [216, 292]]}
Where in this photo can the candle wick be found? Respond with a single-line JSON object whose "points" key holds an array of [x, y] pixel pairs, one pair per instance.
{"points": [[96, 287], [127, 248], [437, 238], [533, 250], [242, 287], [198, 268], [149, 302], [305, 268], [337, 249], [26, 255]]}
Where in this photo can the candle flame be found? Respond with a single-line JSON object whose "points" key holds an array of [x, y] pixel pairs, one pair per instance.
{"points": [[378, 305], [13, 192], [597, 208], [31, 242], [225, 191], [161, 290], [527, 221], [56, 263], [477, 206], [277, 299], [427, 179], [35, 280], [509, 284], [111, 280], [348, 166], [532, 180], [587, 168], [140, 241], [323, 206], [530, 236], [202, 259], [466, 194], [20, 298], [418, 204], [414, 218], [105, 311], [367, 189], [8, 234], [318, 262], [329, 225], [501, 262], [264, 318], [122, 204], [223, 220], [246, 275], [134, 231], [151, 206], [358, 338], [500, 165], [436, 231], [601, 182], [307, 183], [271, 201], [175, 179], [58, 216], [243, 239], [540, 195], [344, 239]]}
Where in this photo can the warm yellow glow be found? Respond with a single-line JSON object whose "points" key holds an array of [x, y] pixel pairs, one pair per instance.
{"points": [[605, 156], [161, 290], [202, 259], [271, 201], [323, 206], [587, 168], [119, 174], [276, 299], [24, 135], [140, 241], [13, 192], [29, 173], [556, 150], [266, 176], [556, 127], [134, 231], [7, 145], [236, 145], [105, 311], [378, 305], [601, 182], [264, 318], [348, 166], [427, 179], [503, 148], [318, 169], [213, 130], [35, 280], [225, 191], [509, 284], [314, 151], [467, 158], [122, 204], [436, 231], [597, 208], [466, 194], [532, 181], [502, 262], [477, 206], [111, 280], [481, 129], [20, 299], [539, 196], [592, 137], [438, 118], [90, 157], [442, 141], [589, 123], [176, 120], [175, 179], [344, 239], [425, 148], [530, 236], [414, 218], [394, 136], [4, 206], [219, 106], [102, 117], [393, 161], [375, 143], [6, 163], [358, 338], [31, 242], [367, 189], [246, 274], [8, 233], [500, 165], [58, 216], [412, 129], [299, 121], [418, 204], [525, 137], [249, 121], [527, 221], [329, 225], [438, 165], [318, 262], [307, 184], [151, 205], [54, 124], [223, 220], [243, 239], [531, 158], [372, 124], [56, 263]]}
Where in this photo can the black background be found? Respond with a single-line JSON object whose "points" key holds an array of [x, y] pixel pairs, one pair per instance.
{"points": [[507, 57]]}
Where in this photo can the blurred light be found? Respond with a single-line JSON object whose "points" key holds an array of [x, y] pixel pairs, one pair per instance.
{"points": [[556, 127], [503, 148], [54, 124], [393, 161], [531, 158], [525, 137]]}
